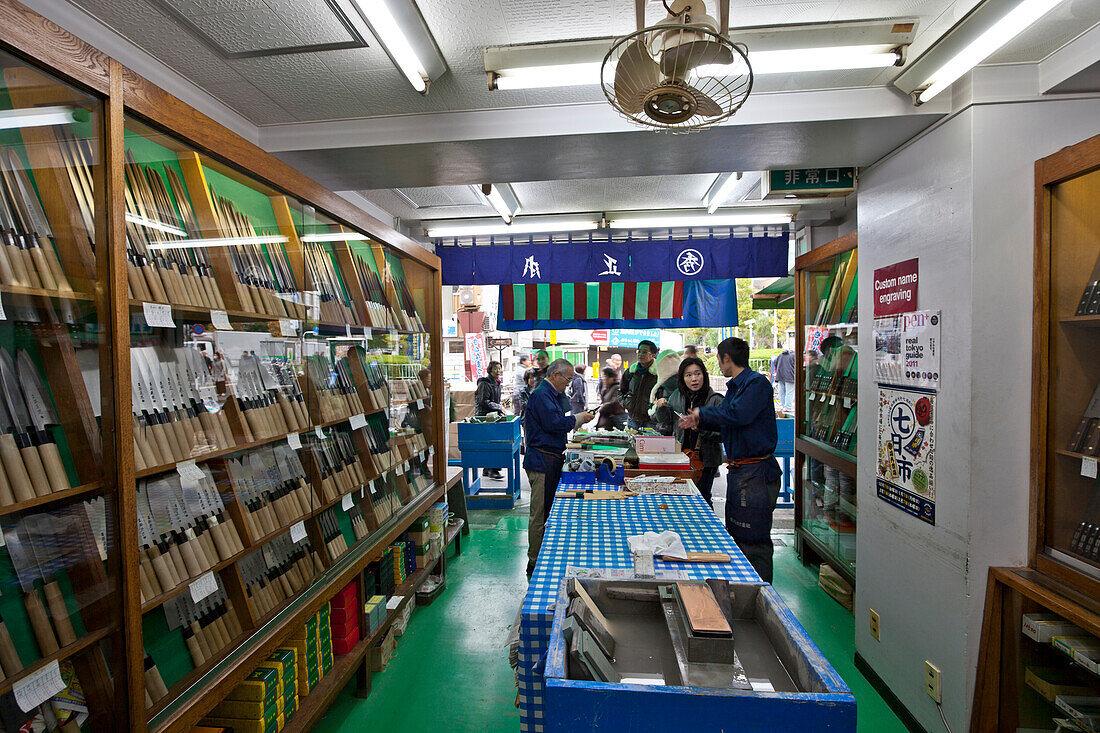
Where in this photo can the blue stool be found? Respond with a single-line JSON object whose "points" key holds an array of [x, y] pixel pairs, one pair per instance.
{"points": [[490, 445], [784, 451]]}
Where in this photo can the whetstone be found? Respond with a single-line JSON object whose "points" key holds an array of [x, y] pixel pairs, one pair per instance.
{"points": [[704, 616], [722, 594]]}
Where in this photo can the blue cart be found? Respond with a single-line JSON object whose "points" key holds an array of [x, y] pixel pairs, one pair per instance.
{"points": [[490, 445], [784, 452]]}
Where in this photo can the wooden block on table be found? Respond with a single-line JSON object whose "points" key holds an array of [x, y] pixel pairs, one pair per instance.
{"points": [[704, 616]]}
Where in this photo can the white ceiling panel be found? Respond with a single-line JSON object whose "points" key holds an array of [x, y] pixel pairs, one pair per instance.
{"points": [[191, 8], [247, 30], [311, 26], [1068, 20]]}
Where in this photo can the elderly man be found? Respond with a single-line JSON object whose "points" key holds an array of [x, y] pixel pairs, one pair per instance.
{"points": [[547, 422]]}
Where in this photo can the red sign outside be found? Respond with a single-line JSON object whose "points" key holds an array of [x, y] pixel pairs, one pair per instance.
{"points": [[896, 288], [601, 336]]}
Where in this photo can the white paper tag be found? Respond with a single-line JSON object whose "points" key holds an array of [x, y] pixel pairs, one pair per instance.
{"points": [[347, 502], [288, 327], [220, 320], [847, 403], [394, 602], [1088, 467], [190, 474], [38, 687], [2, 316], [347, 330], [297, 532], [832, 399], [294, 440], [203, 586], [811, 396], [358, 421], [319, 433], [158, 315], [823, 396]]}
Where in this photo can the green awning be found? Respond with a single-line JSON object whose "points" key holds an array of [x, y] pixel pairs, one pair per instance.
{"points": [[778, 295]]}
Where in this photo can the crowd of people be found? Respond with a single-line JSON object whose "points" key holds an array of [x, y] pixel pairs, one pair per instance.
{"points": [[670, 392]]}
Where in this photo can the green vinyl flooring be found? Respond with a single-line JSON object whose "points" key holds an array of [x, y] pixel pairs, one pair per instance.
{"points": [[450, 670]]}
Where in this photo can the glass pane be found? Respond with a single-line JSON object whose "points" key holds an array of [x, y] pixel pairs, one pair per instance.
{"points": [[59, 563]]}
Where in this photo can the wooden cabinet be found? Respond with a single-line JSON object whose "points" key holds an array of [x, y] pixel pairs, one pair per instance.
{"points": [[217, 391]]}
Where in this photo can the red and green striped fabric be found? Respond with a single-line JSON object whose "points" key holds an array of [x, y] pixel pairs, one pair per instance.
{"points": [[585, 301]]}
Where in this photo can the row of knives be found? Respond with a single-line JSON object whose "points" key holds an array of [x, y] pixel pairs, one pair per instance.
{"points": [[278, 571]]}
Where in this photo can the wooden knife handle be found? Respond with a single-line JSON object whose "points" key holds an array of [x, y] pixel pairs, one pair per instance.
{"points": [[60, 613], [7, 498], [55, 469], [190, 561], [13, 465], [7, 275], [55, 265], [35, 470], [9, 658], [40, 623], [45, 274]]}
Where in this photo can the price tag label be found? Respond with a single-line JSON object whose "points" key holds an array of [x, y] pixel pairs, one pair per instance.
{"points": [[2, 316], [38, 687], [294, 440], [822, 397], [1088, 467], [297, 532], [319, 433], [848, 330], [158, 315], [811, 396], [347, 502], [220, 320], [832, 399], [288, 327], [190, 474], [204, 586], [358, 421], [347, 330], [847, 403]]}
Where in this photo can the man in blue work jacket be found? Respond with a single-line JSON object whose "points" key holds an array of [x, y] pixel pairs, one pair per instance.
{"points": [[547, 422], [747, 420]]}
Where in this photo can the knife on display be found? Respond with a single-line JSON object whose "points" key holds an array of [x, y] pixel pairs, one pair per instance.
{"points": [[45, 534], [26, 572], [35, 218], [20, 419], [43, 415]]}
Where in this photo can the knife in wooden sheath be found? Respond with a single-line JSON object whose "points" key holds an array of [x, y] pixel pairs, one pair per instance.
{"points": [[36, 218], [17, 410], [161, 412], [54, 541], [15, 538], [43, 415]]}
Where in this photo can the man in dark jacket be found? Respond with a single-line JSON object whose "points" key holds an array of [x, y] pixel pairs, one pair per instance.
{"points": [[578, 391], [637, 384], [747, 420], [547, 422], [487, 400]]}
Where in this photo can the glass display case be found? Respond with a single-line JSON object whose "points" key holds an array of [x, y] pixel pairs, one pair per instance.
{"points": [[825, 409]]}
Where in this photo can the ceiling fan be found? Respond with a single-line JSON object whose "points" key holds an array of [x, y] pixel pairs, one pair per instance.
{"points": [[680, 75]]}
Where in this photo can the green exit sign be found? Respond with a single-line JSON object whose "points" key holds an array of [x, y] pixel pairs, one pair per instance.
{"points": [[809, 182]]}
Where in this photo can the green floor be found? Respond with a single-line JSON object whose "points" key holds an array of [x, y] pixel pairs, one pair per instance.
{"points": [[450, 670]]}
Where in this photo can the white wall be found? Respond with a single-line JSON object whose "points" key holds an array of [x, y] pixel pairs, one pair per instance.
{"points": [[961, 199]]}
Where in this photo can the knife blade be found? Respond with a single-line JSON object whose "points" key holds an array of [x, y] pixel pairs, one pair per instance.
{"points": [[27, 572], [46, 533], [17, 409], [36, 218], [42, 414]]}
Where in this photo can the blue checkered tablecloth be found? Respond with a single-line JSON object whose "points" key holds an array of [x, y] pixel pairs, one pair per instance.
{"points": [[593, 534]]}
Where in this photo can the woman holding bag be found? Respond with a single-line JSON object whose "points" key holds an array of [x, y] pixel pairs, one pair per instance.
{"points": [[703, 446]]}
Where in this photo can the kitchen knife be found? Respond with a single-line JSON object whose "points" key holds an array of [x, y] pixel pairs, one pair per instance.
{"points": [[17, 410], [43, 414]]}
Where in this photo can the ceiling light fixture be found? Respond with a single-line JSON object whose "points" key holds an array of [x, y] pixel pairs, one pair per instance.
{"points": [[982, 47], [404, 36], [501, 197], [218, 242], [446, 229], [653, 220], [150, 224], [336, 237], [41, 117], [537, 77], [720, 190]]}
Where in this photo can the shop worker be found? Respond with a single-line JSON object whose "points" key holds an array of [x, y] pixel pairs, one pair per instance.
{"points": [[637, 384], [747, 420], [487, 401], [547, 422], [542, 359]]}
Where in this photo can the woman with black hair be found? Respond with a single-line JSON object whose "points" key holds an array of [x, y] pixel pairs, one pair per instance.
{"points": [[703, 446]]}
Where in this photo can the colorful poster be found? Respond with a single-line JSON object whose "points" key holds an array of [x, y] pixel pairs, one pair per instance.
{"points": [[906, 465], [907, 350], [476, 355]]}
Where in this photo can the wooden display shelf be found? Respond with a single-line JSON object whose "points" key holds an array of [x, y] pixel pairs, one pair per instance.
{"points": [[272, 633], [827, 454], [45, 293], [1071, 454], [203, 314], [157, 601], [1081, 321], [64, 652], [56, 497], [826, 553], [319, 698]]}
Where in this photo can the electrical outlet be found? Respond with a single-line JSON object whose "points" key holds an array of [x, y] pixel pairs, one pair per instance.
{"points": [[932, 681], [874, 624]]}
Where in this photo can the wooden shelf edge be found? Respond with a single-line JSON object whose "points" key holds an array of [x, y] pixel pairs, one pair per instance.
{"points": [[816, 449], [200, 311], [267, 639], [157, 601], [44, 293], [1092, 321], [57, 496], [64, 652]]}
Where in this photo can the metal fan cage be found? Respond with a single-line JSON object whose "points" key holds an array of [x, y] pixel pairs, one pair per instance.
{"points": [[729, 91]]}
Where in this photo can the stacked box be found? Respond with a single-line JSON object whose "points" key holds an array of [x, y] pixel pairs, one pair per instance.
{"points": [[409, 557], [401, 620], [371, 583], [387, 581], [345, 618], [324, 635], [437, 516], [375, 610], [383, 650], [397, 560], [285, 661], [299, 660], [254, 705], [419, 531]]}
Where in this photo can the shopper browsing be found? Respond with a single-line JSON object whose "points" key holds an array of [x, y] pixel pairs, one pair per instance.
{"points": [[487, 400], [578, 391], [548, 424], [520, 405], [783, 378], [542, 359], [703, 446], [521, 372], [612, 413], [637, 384], [615, 361], [667, 366], [746, 418]]}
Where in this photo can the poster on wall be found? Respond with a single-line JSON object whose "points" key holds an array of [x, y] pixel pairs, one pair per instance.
{"points": [[476, 356], [907, 349], [906, 462]]}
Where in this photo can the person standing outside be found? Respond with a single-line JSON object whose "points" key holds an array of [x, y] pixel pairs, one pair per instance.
{"points": [[615, 361], [746, 418], [578, 391], [218, 372], [521, 372], [690, 351], [487, 400], [520, 405], [542, 360], [611, 411], [548, 424], [703, 446], [783, 372], [636, 385]]}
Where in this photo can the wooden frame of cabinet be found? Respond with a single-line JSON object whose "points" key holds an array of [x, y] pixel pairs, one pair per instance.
{"points": [[126, 94]]}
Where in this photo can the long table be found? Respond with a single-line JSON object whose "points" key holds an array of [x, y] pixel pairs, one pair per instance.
{"points": [[593, 534]]}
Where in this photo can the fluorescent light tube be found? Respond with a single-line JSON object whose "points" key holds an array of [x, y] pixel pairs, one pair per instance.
{"points": [[716, 198], [36, 117], [335, 237], [1000, 33], [389, 33], [671, 221], [218, 242], [535, 77], [456, 229], [501, 198], [150, 224]]}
